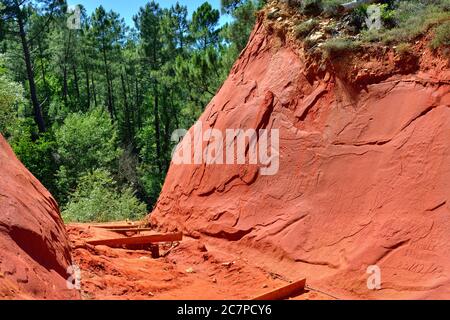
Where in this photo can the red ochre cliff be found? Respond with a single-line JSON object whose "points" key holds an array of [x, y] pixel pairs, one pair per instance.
{"points": [[34, 248], [364, 170]]}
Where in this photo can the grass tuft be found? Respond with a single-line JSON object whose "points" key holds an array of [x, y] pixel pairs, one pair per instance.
{"points": [[442, 36], [305, 28], [337, 46]]}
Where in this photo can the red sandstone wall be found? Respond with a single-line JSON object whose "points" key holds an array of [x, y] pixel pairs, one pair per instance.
{"points": [[364, 176], [34, 248]]}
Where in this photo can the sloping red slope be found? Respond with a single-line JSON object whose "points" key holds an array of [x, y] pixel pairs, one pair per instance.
{"points": [[34, 249], [364, 175]]}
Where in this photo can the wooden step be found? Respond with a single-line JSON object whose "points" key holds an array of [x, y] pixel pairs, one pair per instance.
{"points": [[112, 226], [142, 240], [291, 290], [126, 230]]}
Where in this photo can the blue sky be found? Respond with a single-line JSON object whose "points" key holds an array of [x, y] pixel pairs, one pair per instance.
{"points": [[128, 8]]}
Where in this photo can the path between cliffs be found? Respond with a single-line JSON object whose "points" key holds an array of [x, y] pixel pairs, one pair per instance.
{"points": [[192, 270]]}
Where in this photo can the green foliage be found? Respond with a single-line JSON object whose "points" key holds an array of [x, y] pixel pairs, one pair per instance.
{"points": [[442, 36], [38, 155], [360, 15], [312, 7], [316, 7], [150, 180], [305, 28], [244, 16], [11, 100], [11, 97], [388, 15], [97, 198], [403, 49], [231, 6], [444, 5], [204, 26], [338, 46], [85, 142], [201, 71], [404, 21], [331, 7]]}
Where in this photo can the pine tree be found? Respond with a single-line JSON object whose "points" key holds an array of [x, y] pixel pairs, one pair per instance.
{"points": [[16, 14]]}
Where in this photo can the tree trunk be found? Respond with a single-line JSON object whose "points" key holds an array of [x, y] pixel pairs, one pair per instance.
{"points": [[44, 72], [108, 84], [65, 86], [88, 87], [138, 104], [94, 92], [157, 127], [64, 69], [174, 112], [30, 74], [127, 108], [130, 104], [77, 87], [167, 132]]}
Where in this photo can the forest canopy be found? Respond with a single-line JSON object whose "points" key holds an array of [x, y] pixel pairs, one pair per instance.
{"points": [[89, 103]]}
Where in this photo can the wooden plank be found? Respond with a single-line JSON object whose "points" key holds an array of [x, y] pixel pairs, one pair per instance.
{"points": [[123, 226], [125, 230], [291, 290], [143, 240]]}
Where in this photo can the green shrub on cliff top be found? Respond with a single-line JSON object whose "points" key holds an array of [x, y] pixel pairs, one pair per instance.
{"points": [[304, 28], [337, 46], [442, 36], [401, 20], [410, 19]]}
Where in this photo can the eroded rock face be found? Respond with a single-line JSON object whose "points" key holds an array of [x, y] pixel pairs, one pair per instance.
{"points": [[34, 249], [364, 176]]}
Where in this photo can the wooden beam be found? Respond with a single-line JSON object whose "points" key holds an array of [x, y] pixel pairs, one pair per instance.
{"points": [[112, 226], [125, 230], [143, 240], [291, 290]]}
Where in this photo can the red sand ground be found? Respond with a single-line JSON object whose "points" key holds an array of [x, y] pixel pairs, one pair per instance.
{"points": [[364, 174], [190, 271]]}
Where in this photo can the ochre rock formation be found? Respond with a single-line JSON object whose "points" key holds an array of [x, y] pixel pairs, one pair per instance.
{"points": [[34, 248], [364, 173]]}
